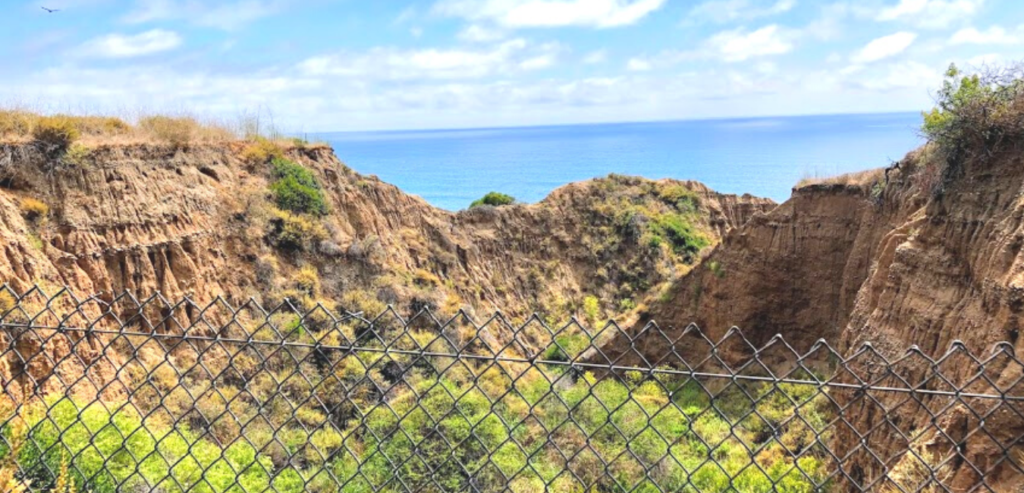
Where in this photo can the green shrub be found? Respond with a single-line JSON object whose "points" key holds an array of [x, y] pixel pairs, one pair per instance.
{"points": [[682, 198], [684, 239], [54, 134], [296, 189], [495, 199], [976, 115], [296, 231]]}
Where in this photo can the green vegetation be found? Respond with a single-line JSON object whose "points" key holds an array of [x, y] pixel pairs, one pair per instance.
{"points": [[458, 429], [495, 199], [296, 188], [297, 232], [717, 269], [976, 115], [592, 308], [684, 239]]}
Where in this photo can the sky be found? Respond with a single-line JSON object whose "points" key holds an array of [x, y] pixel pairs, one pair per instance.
{"points": [[321, 65]]}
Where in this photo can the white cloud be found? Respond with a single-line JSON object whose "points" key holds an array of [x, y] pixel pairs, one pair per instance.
{"points": [[930, 13], [991, 36], [884, 47], [988, 59], [902, 75], [595, 57], [431, 63], [737, 45], [475, 33], [732, 10], [220, 15], [550, 13], [638, 65], [308, 102], [127, 46]]}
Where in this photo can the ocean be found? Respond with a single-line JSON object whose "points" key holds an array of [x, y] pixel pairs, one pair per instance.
{"points": [[760, 156]]}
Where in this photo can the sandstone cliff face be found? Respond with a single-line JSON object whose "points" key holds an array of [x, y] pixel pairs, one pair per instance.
{"points": [[894, 264], [147, 218]]}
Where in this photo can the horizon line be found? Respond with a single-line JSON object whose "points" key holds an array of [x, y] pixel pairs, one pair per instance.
{"points": [[610, 122]]}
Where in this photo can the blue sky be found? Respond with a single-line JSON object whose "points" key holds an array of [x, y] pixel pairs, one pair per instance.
{"points": [[320, 65]]}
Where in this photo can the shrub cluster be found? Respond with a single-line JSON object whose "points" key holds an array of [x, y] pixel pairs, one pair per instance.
{"points": [[495, 199], [509, 430], [297, 232], [296, 189], [976, 115]]}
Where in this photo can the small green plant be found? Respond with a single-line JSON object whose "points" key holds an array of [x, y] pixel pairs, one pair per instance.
{"points": [[495, 199], [592, 308], [296, 189], [717, 269], [77, 155], [34, 240]]}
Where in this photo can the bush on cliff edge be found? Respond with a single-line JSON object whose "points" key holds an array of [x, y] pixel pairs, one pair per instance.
{"points": [[976, 115]]}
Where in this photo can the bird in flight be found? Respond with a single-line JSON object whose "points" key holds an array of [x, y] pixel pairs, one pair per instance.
{"points": [[49, 11]]}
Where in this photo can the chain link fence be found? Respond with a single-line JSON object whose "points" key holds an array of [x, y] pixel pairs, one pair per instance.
{"points": [[121, 394]]}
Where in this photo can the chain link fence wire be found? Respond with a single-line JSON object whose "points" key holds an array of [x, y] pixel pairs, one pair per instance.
{"points": [[114, 393]]}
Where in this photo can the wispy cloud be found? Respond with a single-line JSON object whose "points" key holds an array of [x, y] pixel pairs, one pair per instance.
{"points": [[930, 13], [734, 45], [722, 11], [127, 45], [738, 45], [475, 33], [550, 13], [220, 15], [884, 47], [595, 57], [384, 63], [994, 35]]}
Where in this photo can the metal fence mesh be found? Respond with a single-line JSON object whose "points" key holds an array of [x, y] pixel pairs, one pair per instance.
{"points": [[117, 393]]}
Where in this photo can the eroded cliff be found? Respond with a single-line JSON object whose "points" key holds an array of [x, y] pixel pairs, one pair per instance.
{"points": [[903, 259], [198, 221]]}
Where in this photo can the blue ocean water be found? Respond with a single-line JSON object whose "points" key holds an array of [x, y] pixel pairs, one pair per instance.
{"points": [[761, 156]]}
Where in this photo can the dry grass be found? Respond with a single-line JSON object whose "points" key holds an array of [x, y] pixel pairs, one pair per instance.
{"points": [[23, 125], [34, 210], [858, 179]]}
